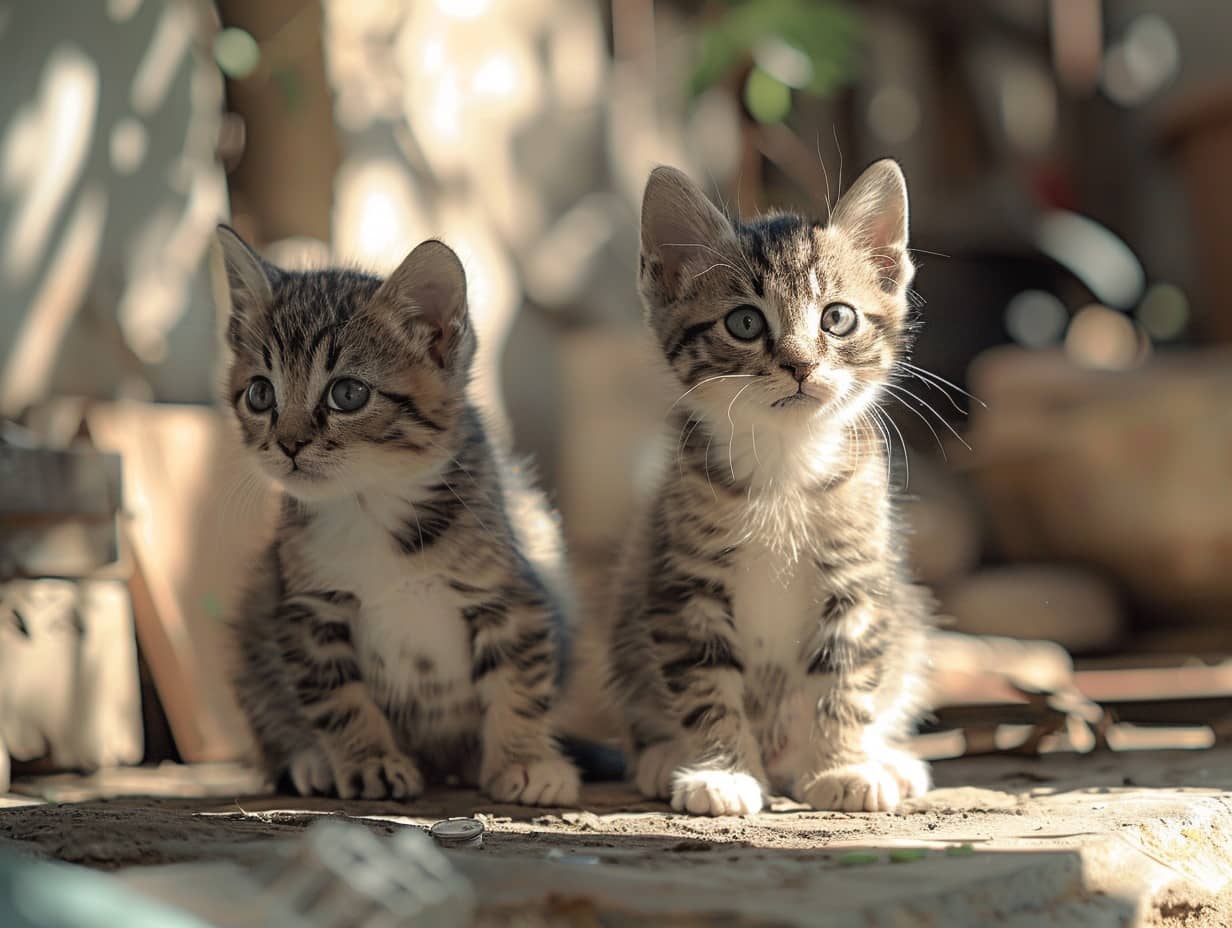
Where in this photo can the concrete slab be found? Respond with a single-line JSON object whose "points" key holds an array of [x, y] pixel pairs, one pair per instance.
{"points": [[1100, 839]]}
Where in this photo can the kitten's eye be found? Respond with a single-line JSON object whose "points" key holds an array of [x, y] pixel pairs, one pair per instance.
{"points": [[260, 395], [348, 394], [745, 323], [838, 319]]}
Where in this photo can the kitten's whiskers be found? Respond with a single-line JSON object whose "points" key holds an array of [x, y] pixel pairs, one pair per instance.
{"points": [[886, 417], [702, 383], [932, 386], [711, 268], [940, 418], [938, 378], [684, 441], [732, 437]]}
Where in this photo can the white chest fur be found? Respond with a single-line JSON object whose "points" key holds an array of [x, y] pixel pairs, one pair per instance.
{"points": [[775, 603], [410, 635]]}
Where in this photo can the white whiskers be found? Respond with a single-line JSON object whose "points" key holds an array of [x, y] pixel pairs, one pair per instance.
{"points": [[940, 418], [702, 383], [732, 437]]}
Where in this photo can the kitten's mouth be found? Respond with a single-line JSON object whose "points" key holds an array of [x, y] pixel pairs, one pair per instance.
{"points": [[795, 399], [297, 473]]}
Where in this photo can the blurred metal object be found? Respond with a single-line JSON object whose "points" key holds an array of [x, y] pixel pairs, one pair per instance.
{"points": [[341, 874], [337, 874]]}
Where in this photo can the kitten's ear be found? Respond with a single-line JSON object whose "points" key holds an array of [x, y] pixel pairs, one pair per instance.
{"points": [[428, 289], [874, 213], [679, 225], [249, 277]]}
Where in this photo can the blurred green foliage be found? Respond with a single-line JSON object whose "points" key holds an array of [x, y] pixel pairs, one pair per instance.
{"points": [[805, 45]]}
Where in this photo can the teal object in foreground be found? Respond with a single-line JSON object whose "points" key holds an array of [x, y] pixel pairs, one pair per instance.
{"points": [[39, 894]]}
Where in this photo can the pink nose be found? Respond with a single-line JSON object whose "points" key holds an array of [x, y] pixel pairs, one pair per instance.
{"points": [[801, 370]]}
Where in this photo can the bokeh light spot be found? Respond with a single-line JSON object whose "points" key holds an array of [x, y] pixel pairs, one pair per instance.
{"points": [[783, 61], [1164, 312], [237, 53], [1103, 339], [129, 142], [1143, 62], [119, 11], [1035, 319], [768, 98]]}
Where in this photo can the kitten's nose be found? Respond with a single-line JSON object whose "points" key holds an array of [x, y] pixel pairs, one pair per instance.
{"points": [[801, 370], [293, 447]]}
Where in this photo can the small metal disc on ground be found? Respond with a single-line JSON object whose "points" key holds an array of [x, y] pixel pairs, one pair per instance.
{"points": [[458, 832]]}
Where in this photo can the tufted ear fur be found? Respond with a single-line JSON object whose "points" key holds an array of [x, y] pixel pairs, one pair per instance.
{"points": [[679, 226], [874, 213], [249, 277], [428, 289]]}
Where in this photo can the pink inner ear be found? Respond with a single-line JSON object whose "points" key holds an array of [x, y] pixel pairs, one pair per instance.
{"points": [[433, 300], [885, 234]]}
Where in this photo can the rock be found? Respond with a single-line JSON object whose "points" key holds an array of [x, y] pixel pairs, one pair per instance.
{"points": [[1071, 606], [1126, 471]]}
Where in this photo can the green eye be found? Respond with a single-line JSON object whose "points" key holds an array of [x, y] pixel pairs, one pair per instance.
{"points": [[838, 319], [346, 394], [745, 323], [260, 395]]}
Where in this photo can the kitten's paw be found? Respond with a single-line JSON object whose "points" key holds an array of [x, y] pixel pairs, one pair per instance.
{"points": [[715, 792], [550, 782], [310, 773], [875, 785], [655, 767], [389, 775]]}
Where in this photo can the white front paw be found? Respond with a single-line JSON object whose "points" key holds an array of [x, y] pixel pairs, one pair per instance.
{"points": [[715, 792], [875, 785], [550, 782]]}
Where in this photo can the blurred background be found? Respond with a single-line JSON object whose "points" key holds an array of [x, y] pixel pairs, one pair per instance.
{"points": [[1065, 452]]}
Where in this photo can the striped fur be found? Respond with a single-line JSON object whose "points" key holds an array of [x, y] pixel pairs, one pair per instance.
{"points": [[399, 629], [765, 634]]}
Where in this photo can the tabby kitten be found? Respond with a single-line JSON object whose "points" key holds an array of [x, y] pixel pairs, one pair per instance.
{"points": [[766, 634], [398, 629]]}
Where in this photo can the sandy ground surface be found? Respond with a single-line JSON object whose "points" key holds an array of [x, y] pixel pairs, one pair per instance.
{"points": [[1117, 839]]}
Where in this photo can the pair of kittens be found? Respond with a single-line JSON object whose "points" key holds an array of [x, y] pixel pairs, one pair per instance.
{"points": [[764, 635]]}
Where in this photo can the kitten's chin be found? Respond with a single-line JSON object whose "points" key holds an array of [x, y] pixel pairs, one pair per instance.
{"points": [[310, 488]]}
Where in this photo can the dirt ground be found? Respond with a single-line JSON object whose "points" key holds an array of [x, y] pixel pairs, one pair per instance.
{"points": [[1118, 839]]}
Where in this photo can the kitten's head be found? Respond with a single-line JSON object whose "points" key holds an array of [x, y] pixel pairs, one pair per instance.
{"points": [[796, 321], [342, 382]]}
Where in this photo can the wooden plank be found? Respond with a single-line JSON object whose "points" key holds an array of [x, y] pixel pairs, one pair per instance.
{"points": [[198, 519]]}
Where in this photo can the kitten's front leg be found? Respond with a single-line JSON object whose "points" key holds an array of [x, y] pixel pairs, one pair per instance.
{"points": [[354, 737], [864, 667], [720, 769], [514, 666]]}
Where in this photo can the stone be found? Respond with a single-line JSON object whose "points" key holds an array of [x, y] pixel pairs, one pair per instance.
{"points": [[1126, 471], [1069, 605]]}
